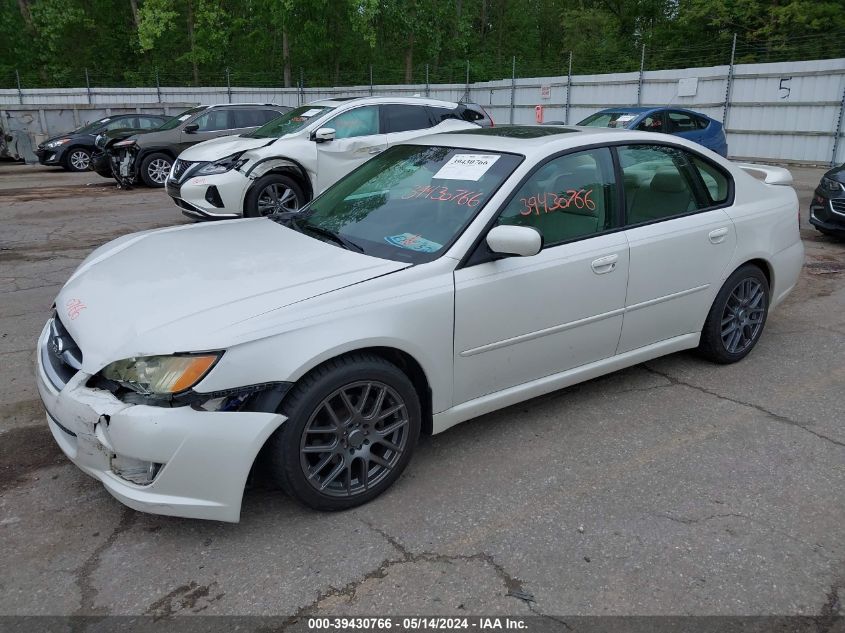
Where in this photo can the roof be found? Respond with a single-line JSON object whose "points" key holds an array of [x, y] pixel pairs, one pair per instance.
{"points": [[530, 140], [336, 101]]}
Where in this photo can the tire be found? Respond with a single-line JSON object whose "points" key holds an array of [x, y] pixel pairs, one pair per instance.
{"points": [[77, 159], [357, 388], [737, 317], [154, 169], [260, 199]]}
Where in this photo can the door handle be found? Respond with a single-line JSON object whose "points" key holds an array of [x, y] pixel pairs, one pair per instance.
{"points": [[717, 236], [375, 151], [605, 264]]}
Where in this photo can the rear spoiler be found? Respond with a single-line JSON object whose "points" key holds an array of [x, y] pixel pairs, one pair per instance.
{"points": [[769, 174]]}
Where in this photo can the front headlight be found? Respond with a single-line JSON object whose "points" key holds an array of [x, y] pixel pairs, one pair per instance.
{"points": [[160, 375], [832, 186], [57, 142], [233, 161]]}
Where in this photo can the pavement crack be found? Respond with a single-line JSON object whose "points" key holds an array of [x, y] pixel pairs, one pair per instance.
{"points": [[693, 521], [85, 572], [775, 416]]}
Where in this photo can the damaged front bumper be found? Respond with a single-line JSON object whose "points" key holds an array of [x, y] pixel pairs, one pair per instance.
{"points": [[124, 164], [176, 460]]}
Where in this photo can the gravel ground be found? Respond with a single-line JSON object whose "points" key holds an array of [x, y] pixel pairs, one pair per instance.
{"points": [[674, 487]]}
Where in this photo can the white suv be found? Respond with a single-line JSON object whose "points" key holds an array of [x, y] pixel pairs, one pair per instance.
{"points": [[287, 162]]}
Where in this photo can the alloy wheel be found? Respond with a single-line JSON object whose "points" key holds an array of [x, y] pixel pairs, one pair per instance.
{"points": [[277, 198], [80, 160], [742, 318], [158, 170], [354, 438]]}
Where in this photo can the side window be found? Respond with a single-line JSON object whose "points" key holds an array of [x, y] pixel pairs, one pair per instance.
{"points": [[569, 197], [213, 121], [471, 115], [680, 122], [701, 122], [121, 124], [402, 118], [265, 116], [147, 123], [658, 182], [441, 114], [246, 118], [715, 181], [652, 123], [358, 122]]}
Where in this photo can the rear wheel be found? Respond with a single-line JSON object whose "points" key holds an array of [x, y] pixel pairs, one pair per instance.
{"points": [[273, 193], [78, 159], [737, 317], [352, 426], [155, 169]]}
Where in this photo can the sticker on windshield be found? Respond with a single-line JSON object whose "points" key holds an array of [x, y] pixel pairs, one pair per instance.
{"points": [[309, 113], [466, 166], [626, 117], [184, 116], [414, 243]]}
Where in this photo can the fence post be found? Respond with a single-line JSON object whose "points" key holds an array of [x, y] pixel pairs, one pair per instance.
{"points": [[427, 85], [838, 130], [301, 86], [20, 92], [158, 86], [568, 89], [371, 80], [726, 109], [640, 81], [466, 86], [228, 85], [88, 86], [513, 87]]}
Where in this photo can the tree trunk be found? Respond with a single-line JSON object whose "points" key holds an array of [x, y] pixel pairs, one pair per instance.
{"points": [[192, 41], [409, 59], [286, 56], [23, 5], [134, 5]]}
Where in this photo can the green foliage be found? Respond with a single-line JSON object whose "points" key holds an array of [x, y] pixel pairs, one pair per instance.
{"points": [[52, 42]]}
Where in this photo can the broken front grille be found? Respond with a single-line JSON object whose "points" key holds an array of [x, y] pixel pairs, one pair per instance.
{"points": [[60, 355]]}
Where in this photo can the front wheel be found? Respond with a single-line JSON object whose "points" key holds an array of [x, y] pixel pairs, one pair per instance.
{"points": [[155, 169], [737, 317], [352, 426], [273, 193], [78, 159]]}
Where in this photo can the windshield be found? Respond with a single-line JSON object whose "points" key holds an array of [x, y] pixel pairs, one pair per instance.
{"points": [[410, 202], [180, 118], [609, 119], [91, 127], [289, 122]]}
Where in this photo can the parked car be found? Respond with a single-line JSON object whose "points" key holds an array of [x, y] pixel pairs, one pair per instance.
{"points": [[283, 164], [73, 150], [148, 157], [827, 208], [443, 279], [676, 121], [100, 161]]}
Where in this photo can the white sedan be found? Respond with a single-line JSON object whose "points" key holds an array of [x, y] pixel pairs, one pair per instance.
{"points": [[444, 279]]}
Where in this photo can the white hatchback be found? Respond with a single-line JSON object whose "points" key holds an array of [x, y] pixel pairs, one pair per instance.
{"points": [[282, 165], [443, 279]]}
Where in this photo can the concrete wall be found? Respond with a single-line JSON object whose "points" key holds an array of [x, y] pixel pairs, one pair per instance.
{"points": [[786, 112]]}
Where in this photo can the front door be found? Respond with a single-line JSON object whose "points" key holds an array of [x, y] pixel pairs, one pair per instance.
{"points": [[357, 139], [518, 319]]}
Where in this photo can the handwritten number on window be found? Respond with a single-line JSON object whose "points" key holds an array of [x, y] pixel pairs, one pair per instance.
{"points": [[461, 197], [548, 201]]}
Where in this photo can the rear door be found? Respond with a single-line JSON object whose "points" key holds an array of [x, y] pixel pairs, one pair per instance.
{"points": [[210, 124], [681, 241], [358, 138]]}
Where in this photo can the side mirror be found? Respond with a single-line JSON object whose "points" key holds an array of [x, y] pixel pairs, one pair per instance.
{"points": [[515, 240], [323, 134], [191, 128]]}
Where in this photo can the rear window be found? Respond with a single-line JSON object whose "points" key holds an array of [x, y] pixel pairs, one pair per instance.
{"points": [[402, 118]]}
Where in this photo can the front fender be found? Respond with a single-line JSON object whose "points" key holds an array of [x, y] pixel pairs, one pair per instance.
{"points": [[282, 163]]}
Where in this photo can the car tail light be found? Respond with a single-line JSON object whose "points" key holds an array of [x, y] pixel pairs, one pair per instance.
{"points": [[492, 123]]}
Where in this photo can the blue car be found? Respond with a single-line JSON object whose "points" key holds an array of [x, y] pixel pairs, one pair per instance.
{"points": [[686, 123]]}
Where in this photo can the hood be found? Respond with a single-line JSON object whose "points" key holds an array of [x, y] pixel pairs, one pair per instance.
{"points": [[182, 289], [218, 148], [72, 135], [837, 173]]}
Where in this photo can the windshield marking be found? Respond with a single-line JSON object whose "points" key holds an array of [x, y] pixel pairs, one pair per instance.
{"points": [[413, 242], [459, 197]]}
